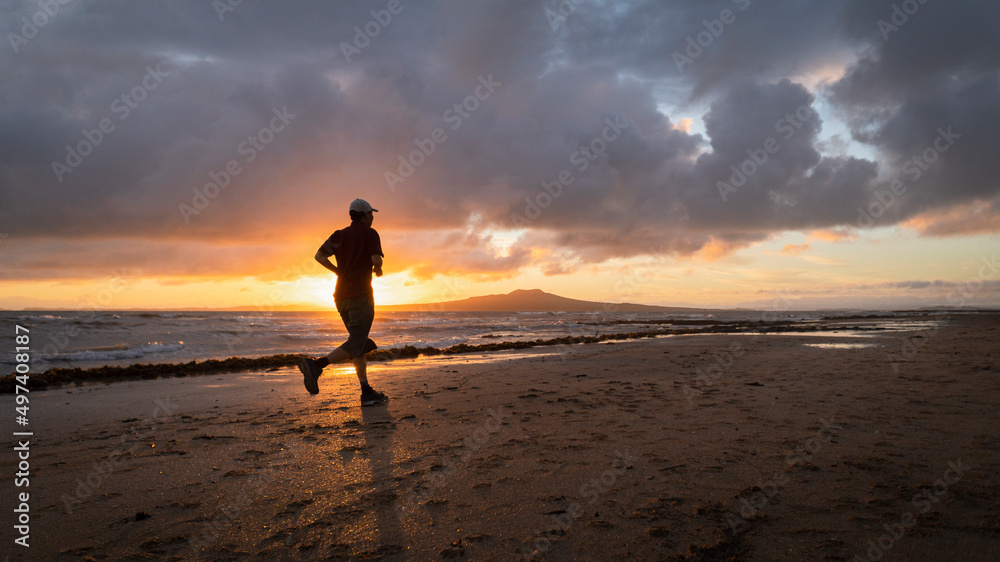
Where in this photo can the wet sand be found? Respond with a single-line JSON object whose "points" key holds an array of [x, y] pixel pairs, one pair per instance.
{"points": [[697, 447], [56, 377]]}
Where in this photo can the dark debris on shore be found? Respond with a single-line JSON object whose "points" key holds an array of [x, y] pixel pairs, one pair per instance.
{"points": [[54, 378]]}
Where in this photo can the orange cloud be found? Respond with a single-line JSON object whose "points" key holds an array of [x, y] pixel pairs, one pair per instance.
{"points": [[453, 253], [51, 258], [836, 235], [716, 249], [794, 250], [962, 220]]}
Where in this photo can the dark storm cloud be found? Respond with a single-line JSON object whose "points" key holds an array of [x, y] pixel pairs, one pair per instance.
{"points": [[570, 140], [707, 45], [929, 66]]}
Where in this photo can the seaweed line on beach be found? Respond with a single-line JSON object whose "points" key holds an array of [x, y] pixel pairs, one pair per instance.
{"points": [[57, 377]]}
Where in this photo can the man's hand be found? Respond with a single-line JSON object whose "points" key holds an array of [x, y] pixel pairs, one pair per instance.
{"points": [[377, 265]]}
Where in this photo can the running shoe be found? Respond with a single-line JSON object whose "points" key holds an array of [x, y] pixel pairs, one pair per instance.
{"points": [[372, 398], [310, 372]]}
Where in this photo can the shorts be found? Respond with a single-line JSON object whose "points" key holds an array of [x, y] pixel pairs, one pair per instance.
{"points": [[358, 313]]}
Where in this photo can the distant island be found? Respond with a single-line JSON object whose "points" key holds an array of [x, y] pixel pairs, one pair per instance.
{"points": [[520, 300], [527, 300]]}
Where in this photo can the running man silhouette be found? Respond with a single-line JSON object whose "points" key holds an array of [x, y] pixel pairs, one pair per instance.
{"points": [[358, 251]]}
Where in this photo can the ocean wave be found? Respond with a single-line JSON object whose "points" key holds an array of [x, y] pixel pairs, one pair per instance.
{"points": [[484, 327], [422, 320], [299, 337], [35, 317], [228, 332], [268, 321], [442, 343], [162, 315], [412, 329], [75, 318], [118, 352], [81, 322]]}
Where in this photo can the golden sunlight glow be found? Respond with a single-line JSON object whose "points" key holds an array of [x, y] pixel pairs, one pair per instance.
{"points": [[502, 240], [317, 290], [817, 264], [387, 287]]}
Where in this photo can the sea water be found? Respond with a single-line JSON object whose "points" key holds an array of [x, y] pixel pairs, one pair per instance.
{"points": [[87, 339]]}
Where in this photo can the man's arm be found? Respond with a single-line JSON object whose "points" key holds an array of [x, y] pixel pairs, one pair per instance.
{"points": [[324, 260], [377, 264]]}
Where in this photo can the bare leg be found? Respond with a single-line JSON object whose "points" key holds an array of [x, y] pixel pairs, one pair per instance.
{"points": [[337, 356], [360, 363], [361, 367]]}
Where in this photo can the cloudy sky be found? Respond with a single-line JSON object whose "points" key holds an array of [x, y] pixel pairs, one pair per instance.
{"points": [[706, 153]]}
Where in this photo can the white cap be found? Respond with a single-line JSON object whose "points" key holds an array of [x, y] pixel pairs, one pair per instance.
{"points": [[361, 206]]}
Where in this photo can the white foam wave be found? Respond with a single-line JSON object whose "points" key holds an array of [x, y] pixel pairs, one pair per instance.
{"points": [[35, 318], [440, 343], [118, 352]]}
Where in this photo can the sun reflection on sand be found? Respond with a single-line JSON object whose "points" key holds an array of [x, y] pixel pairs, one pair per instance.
{"points": [[841, 345]]}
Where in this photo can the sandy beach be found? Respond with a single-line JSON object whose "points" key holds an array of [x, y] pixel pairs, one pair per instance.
{"points": [[697, 447]]}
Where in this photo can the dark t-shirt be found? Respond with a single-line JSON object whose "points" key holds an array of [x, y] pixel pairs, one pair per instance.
{"points": [[353, 247]]}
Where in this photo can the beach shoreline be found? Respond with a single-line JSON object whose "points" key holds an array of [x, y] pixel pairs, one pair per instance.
{"points": [[64, 376], [694, 447]]}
